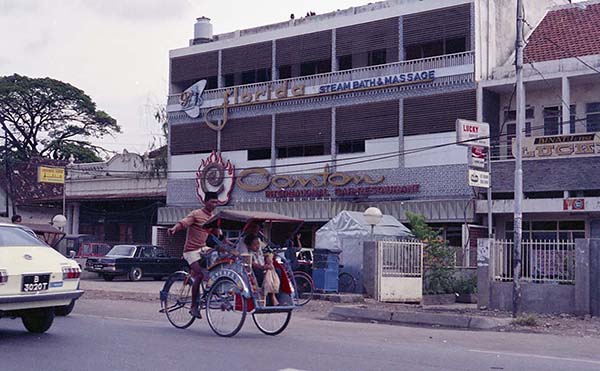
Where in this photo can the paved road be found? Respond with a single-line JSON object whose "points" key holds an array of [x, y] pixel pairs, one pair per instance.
{"points": [[126, 335]]}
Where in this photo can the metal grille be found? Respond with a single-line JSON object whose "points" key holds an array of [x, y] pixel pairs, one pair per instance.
{"points": [[401, 258], [542, 261]]}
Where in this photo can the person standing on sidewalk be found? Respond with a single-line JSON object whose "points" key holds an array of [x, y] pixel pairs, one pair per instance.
{"points": [[195, 248]]}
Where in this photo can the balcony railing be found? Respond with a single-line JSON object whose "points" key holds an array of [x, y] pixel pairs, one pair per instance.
{"points": [[442, 61]]}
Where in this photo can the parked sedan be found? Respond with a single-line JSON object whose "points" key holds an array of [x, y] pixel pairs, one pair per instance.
{"points": [[36, 281], [135, 262]]}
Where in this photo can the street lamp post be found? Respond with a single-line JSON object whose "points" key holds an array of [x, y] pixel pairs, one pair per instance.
{"points": [[373, 217]]}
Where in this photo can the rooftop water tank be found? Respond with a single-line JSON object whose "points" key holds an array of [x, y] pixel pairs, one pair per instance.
{"points": [[203, 31]]}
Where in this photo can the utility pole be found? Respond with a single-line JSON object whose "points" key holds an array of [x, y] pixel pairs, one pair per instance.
{"points": [[518, 163]]}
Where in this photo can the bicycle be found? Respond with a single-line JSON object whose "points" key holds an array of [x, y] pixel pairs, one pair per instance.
{"points": [[305, 287], [346, 282], [225, 311]]}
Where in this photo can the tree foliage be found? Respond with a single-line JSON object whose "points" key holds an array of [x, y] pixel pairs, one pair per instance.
{"points": [[438, 257], [43, 117]]}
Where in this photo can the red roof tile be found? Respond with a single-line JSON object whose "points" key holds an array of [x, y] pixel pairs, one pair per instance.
{"points": [[566, 32], [25, 188]]}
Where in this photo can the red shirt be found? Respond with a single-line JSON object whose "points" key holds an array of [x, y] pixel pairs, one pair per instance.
{"points": [[196, 235]]}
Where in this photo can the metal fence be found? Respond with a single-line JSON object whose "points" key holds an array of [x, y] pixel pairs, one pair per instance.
{"points": [[542, 261], [401, 258]]}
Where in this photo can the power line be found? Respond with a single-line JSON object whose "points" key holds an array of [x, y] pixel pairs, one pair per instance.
{"points": [[360, 159]]}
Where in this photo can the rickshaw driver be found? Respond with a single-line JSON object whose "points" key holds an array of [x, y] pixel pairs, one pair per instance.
{"points": [[195, 248]]}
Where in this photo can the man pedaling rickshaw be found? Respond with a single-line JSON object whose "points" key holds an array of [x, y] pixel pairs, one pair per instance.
{"points": [[195, 250]]}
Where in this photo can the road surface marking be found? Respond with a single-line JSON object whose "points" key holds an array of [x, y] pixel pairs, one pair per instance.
{"points": [[536, 356]]}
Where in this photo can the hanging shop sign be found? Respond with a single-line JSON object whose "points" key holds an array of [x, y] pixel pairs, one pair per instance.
{"points": [[560, 146], [215, 175], [477, 156], [479, 178], [51, 175], [472, 133]]}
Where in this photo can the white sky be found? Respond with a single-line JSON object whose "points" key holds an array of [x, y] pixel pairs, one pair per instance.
{"points": [[117, 50]]}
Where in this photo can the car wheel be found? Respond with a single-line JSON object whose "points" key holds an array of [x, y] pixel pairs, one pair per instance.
{"points": [[65, 310], [108, 278], [38, 321], [135, 274]]}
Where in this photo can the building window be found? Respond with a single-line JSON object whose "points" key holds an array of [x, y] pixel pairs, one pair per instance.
{"points": [[345, 62], [435, 48], [248, 77], [552, 230], [259, 154], [211, 82], [376, 57], [552, 121], [351, 146], [315, 67], [457, 45], [592, 117], [229, 79], [553, 124], [263, 74], [511, 130], [302, 151], [285, 71]]}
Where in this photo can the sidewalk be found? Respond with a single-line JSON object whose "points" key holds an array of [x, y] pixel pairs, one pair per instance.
{"points": [[352, 308]]}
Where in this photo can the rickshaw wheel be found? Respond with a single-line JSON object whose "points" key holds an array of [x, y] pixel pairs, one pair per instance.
{"points": [[225, 308], [178, 301], [272, 323]]}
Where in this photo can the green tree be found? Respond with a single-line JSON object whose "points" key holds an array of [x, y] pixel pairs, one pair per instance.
{"points": [[43, 117], [438, 257]]}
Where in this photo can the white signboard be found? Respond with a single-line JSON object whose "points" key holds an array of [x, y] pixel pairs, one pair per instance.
{"points": [[477, 156], [472, 133], [479, 178], [559, 146]]}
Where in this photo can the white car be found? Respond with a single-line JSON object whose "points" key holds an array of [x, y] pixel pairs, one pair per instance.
{"points": [[35, 280]]}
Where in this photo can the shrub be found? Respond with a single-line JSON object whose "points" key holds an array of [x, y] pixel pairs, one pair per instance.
{"points": [[438, 257]]}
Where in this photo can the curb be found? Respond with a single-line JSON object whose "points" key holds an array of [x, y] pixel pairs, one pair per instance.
{"points": [[418, 318]]}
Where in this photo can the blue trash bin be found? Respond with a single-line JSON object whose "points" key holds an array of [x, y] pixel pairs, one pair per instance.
{"points": [[326, 264]]}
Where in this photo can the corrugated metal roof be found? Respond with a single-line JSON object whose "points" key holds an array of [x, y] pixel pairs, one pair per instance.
{"points": [[435, 211]]}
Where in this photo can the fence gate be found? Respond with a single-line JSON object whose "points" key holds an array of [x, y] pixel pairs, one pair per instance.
{"points": [[400, 271]]}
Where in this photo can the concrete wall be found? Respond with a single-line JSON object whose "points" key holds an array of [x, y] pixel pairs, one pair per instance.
{"points": [[536, 297], [594, 276], [583, 297], [370, 268]]}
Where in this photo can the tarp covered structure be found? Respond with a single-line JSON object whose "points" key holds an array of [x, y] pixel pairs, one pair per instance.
{"points": [[348, 230]]}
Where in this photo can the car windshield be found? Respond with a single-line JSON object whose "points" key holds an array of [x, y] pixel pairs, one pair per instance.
{"points": [[15, 236], [122, 250]]}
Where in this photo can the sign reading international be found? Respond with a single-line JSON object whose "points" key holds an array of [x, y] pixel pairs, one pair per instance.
{"points": [[51, 175], [560, 146]]}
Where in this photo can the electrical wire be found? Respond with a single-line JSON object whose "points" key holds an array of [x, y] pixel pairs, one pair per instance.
{"points": [[336, 163]]}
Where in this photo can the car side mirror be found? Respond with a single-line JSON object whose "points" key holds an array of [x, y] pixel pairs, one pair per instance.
{"points": [[71, 254]]}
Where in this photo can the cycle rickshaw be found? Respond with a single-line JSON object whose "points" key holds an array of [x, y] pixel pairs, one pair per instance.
{"points": [[229, 291]]}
